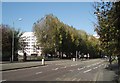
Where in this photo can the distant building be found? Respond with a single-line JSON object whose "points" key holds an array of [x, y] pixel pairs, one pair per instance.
{"points": [[31, 48]]}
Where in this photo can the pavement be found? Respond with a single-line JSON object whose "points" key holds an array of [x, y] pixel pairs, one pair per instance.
{"points": [[13, 66], [20, 65]]}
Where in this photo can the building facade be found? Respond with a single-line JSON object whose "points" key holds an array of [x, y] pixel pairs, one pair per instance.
{"points": [[30, 45]]}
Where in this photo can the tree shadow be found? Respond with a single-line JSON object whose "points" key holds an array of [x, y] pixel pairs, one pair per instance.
{"points": [[114, 67]]}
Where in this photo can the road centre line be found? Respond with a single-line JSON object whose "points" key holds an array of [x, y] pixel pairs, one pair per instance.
{"points": [[79, 79], [93, 64], [63, 67], [57, 64], [73, 65], [87, 71], [81, 68], [95, 67], [89, 66], [55, 69], [74, 79], [58, 79], [38, 72], [71, 70], [99, 65]]}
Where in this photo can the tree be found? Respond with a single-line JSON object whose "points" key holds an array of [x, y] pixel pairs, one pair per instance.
{"points": [[108, 26], [53, 34], [7, 32]]}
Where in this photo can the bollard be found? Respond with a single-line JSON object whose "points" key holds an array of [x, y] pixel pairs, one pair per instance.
{"points": [[73, 59], [43, 62]]}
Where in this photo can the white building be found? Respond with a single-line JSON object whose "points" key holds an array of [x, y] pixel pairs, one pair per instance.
{"points": [[30, 46]]}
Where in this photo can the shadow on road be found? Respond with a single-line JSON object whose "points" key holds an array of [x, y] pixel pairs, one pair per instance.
{"points": [[114, 67]]}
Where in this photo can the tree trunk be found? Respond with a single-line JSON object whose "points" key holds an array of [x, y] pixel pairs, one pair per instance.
{"points": [[110, 60], [119, 61], [24, 57]]}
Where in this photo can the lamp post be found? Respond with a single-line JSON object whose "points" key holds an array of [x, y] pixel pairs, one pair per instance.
{"points": [[12, 58]]}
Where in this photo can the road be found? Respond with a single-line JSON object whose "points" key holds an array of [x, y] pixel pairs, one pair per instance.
{"points": [[89, 70]]}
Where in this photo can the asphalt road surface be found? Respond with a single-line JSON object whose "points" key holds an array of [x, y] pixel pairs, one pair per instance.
{"points": [[63, 70]]}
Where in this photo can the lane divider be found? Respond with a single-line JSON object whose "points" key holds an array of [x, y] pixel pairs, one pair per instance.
{"points": [[71, 70], [55, 69], [79, 79], [64, 67], [87, 71], [38, 72], [74, 79]]}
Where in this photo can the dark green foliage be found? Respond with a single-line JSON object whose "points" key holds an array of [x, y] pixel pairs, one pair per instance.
{"points": [[7, 33]]}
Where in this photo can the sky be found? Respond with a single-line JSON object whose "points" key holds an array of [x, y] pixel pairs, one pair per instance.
{"points": [[76, 14]]}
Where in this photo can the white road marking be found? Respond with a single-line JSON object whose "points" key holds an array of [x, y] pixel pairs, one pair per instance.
{"points": [[94, 64], [78, 69], [99, 65], [58, 79], [55, 69], [79, 79], [71, 70], [63, 67], [87, 71], [105, 66], [88, 65], [73, 65], [81, 68], [56, 64], [95, 67], [102, 64], [38, 72], [74, 79]]}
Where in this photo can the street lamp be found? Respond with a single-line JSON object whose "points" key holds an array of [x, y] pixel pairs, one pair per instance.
{"points": [[12, 58]]}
